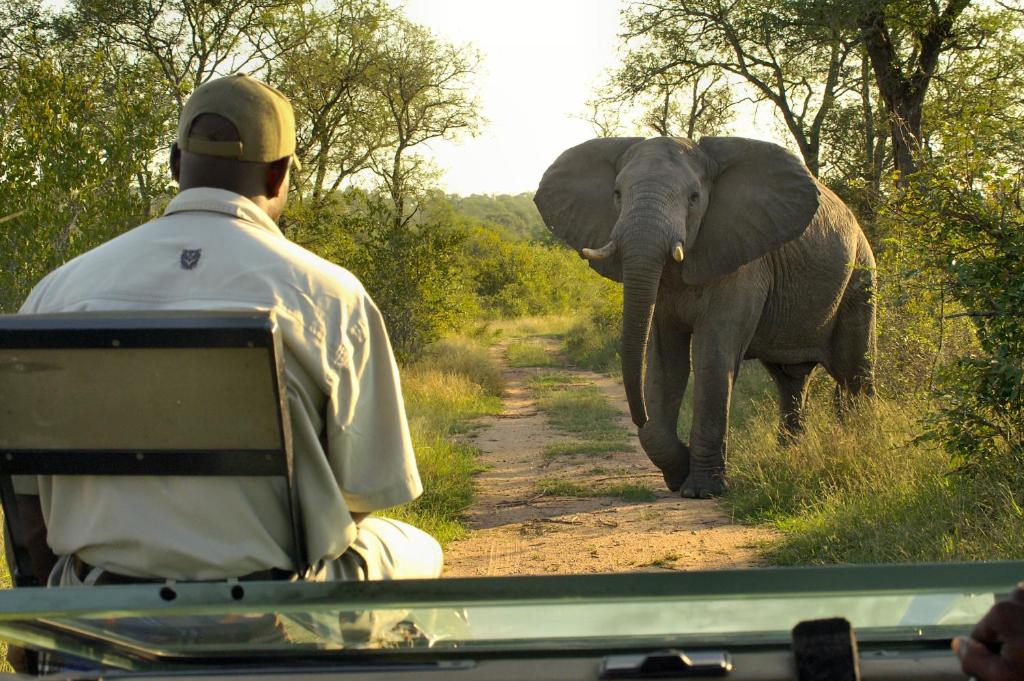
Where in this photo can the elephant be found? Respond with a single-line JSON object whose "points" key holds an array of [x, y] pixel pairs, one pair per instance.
{"points": [[728, 249]]}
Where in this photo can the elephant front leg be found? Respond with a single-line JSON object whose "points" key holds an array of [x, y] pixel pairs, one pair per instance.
{"points": [[668, 369], [712, 392], [719, 342], [716, 362]]}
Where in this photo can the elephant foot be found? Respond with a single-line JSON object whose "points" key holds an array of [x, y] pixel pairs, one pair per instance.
{"points": [[703, 486], [674, 480], [665, 450]]}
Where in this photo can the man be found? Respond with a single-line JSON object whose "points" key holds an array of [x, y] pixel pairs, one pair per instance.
{"points": [[217, 246]]}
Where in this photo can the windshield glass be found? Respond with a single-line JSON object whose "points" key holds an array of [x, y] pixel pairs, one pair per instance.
{"points": [[884, 604]]}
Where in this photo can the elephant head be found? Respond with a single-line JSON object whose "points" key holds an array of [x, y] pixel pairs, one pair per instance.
{"points": [[640, 208]]}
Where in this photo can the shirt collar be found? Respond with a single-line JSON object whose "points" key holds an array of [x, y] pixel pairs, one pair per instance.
{"points": [[222, 201]]}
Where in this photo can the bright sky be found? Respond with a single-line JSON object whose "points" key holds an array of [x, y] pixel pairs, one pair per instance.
{"points": [[542, 60]]}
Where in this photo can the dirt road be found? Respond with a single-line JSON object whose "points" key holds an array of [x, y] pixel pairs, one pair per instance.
{"points": [[516, 530]]}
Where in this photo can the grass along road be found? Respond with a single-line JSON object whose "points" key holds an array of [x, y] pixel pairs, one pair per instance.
{"points": [[566, 488]]}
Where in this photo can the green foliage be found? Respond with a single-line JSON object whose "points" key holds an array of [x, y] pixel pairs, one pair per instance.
{"points": [[593, 342], [78, 132], [972, 234], [515, 279], [515, 214], [413, 273], [423, 83], [867, 492], [328, 73]]}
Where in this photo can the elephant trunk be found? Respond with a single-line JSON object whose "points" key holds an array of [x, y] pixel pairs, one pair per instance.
{"points": [[641, 272]]}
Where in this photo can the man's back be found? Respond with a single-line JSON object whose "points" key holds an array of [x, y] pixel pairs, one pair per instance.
{"points": [[215, 249]]}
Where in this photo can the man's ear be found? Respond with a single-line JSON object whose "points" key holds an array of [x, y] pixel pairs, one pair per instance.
{"points": [[277, 177], [175, 162]]}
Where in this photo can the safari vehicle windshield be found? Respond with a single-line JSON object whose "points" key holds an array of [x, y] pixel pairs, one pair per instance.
{"points": [[153, 627]]}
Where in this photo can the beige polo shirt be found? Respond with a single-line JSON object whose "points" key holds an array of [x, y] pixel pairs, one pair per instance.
{"points": [[213, 249]]}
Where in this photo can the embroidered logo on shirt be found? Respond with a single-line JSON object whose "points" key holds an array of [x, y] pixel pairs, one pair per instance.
{"points": [[190, 258]]}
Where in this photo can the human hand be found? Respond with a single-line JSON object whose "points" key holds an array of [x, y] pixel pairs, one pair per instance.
{"points": [[995, 649]]}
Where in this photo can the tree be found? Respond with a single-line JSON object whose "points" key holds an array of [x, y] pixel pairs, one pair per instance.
{"points": [[786, 51], [678, 101], [904, 41], [189, 40], [327, 73], [855, 153], [955, 235], [424, 84], [77, 125], [977, 96]]}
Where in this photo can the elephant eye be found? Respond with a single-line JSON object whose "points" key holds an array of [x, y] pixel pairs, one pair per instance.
{"points": [[617, 195], [694, 197]]}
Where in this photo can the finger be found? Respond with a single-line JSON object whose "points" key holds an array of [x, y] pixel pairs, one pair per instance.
{"points": [[1004, 620], [976, 660]]}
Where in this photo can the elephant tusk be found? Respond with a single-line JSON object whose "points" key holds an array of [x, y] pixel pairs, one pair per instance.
{"points": [[606, 251], [677, 252]]}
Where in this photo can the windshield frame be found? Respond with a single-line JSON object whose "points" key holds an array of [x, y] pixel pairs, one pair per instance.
{"points": [[36, 617]]}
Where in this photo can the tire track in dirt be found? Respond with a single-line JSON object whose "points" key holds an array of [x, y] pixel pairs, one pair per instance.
{"points": [[516, 531]]}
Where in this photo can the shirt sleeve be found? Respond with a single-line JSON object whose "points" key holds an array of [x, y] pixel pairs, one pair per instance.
{"points": [[369, 444]]}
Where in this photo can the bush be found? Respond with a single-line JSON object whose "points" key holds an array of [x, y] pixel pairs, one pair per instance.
{"points": [[517, 278], [413, 273], [967, 230], [594, 341], [465, 358]]}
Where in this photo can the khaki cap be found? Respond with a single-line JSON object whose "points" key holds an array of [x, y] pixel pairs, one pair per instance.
{"points": [[262, 115]]}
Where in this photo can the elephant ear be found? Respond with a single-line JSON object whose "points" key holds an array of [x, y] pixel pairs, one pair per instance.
{"points": [[761, 197], [575, 197]]}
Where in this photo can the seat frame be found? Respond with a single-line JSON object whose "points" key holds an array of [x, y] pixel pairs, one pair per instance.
{"points": [[146, 330]]}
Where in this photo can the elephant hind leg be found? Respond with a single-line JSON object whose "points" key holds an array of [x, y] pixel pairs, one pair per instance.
{"points": [[852, 357], [791, 381]]}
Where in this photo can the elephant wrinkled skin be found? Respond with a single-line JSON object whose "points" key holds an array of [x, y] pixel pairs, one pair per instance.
{"points": [[728, 249]]}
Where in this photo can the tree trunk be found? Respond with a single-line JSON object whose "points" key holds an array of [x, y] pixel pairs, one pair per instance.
{"points": [[903, 91]]}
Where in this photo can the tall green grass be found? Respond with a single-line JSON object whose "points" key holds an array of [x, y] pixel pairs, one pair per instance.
{"points": [[454, 383], [865, 491], [530, 353], [461, 356], [593, 339], [492, 330]]}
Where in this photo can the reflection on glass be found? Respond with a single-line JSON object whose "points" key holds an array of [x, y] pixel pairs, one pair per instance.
{"points": [[769, 619]]}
